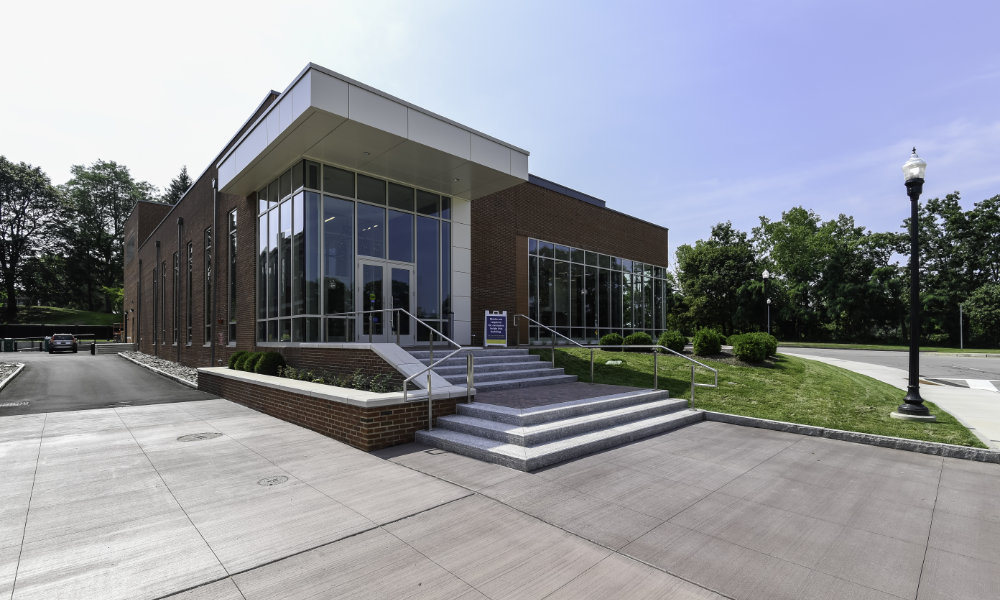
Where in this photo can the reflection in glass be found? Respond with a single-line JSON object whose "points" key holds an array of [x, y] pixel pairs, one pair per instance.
{"points": [[400, 236], [371, 231], [338, 245]]}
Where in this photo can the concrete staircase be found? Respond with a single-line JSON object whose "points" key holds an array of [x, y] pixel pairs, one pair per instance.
{"points": [[529, 439], [495, 368]]}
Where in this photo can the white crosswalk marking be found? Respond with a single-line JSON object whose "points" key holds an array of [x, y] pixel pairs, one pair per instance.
{"points": [[982, 384]]}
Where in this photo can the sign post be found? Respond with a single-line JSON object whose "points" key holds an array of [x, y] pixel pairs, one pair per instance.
{"points": [[495, 329]]}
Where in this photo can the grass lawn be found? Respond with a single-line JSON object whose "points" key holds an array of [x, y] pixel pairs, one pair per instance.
{"points": [[51, 315], [783, 389], [885, 347]]}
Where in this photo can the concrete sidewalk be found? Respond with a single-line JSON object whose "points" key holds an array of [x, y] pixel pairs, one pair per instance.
{"points": [[978, 410], [209, 499]]}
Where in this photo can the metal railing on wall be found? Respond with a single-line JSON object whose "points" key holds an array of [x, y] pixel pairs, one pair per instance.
{"points": [[397, 314], [656, 348]]}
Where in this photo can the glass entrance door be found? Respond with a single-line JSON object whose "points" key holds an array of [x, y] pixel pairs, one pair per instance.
{"points": [[385, 286]]}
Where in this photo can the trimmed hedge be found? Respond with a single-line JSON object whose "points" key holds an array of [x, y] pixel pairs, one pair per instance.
{"points": [[753, 347], [269, 363], [235, 357], [638, 338], [250, 361], [673, 339], [707, 342], [612, 339]]}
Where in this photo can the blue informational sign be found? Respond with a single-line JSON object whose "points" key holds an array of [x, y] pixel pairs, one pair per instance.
{"points": [[495, 329]]}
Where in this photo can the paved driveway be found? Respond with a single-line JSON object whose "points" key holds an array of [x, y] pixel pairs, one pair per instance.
{"points": [[983, 372], [213, 500], [60, 382]]}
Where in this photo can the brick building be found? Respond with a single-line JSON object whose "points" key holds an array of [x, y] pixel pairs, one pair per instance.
{"points": [[335, 198]]}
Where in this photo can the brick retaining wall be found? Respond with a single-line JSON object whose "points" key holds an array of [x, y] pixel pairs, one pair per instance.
{"points": [[366, 428]]}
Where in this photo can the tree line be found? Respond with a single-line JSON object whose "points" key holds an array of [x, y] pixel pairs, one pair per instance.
{"points": [[62, 245], [835, 281]]}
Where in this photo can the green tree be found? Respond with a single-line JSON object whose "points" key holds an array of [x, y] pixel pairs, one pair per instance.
{"points": [[720, 278], [28, 206], [177, 187], [99, 198], [983, 308]]}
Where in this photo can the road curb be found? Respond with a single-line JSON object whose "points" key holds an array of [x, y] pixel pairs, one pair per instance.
{"points": [[17, 371], [180, 380], [882, 441]]}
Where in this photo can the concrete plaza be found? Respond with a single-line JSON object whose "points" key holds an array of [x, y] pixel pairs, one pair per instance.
{"points": [[208, 499]]}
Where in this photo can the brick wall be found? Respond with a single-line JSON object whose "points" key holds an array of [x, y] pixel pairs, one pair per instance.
{"points": [[364, 428], [503, 222], [342, 361]]}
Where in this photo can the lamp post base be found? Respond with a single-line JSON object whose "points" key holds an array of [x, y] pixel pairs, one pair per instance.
{"points": [[911, 417]]}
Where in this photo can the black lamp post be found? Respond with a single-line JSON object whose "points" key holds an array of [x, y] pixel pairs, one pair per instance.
{"points": [[913, 407]]}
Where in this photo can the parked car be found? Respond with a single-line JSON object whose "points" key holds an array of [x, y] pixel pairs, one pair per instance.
{"points": [[62, 341]]}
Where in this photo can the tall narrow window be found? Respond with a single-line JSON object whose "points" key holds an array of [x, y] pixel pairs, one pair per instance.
{"points": [[208, 286], [188, 289], [156, 301], [174, 300], [163, 303], [232, 277]]}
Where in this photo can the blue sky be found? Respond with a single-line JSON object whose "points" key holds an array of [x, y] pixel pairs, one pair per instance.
{"points": [[683, 113]]}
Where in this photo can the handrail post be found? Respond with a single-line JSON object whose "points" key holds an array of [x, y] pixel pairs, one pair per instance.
{"points": [[656, 370], [370, 328], [553, 349], [691, 404], [591, 365], [468, 377], [396, 319], [517, 331], [430, 402]]}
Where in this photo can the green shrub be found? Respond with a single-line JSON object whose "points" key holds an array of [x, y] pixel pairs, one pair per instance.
{"points": [[269, 363], [240, 364], [707, 342], [748, 347], [753, 347], [771, 342], [639, 338], [250, 361], [612, 339], [673, 339], [236, 356]]}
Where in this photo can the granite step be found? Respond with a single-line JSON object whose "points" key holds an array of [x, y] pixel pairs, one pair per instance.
{"points": [[531, 458], [534, 435], [521, 417]]}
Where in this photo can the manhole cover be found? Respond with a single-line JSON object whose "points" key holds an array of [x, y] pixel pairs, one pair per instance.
{"points": [[196, 437], [276, 480], [14, 404]]}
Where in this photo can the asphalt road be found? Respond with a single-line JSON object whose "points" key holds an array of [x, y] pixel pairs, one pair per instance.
{"points": [[932, 364], [61, 382]]}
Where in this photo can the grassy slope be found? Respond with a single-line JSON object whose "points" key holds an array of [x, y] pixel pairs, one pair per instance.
{"points": [[62, 316], [786, 389]]}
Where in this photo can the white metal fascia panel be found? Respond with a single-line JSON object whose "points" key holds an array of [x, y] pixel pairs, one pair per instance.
{"points": [[461, 235], [435, 133], [330, 94], [461, 211], [491, 154], [519, 164], [375, 111]]}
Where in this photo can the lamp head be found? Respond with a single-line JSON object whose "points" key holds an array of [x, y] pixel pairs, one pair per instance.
{"points": [[914, 168]]}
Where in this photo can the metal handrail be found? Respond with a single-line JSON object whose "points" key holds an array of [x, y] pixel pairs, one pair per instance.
{"points": [[656, 367], [572, 341], [429, 368]]}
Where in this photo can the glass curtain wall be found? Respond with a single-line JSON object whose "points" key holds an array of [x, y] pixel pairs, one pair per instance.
{"points": [[314, 221], [585, 295]]}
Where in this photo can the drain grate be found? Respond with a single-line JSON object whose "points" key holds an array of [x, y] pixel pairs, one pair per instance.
{"points": [[14, 404], [197, 437], [275, 480]]}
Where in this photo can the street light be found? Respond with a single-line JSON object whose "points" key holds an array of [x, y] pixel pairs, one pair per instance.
{"points": [[767, 276], [912, 408]]}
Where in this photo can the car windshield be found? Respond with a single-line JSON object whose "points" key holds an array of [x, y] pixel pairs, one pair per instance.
{"points": [[62, 336]]}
